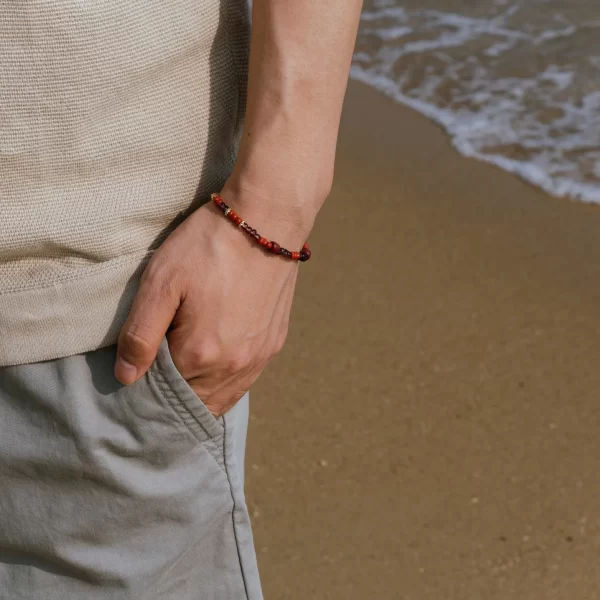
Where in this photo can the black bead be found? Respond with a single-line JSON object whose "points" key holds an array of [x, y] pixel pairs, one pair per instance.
{"points": [[303, 257]]}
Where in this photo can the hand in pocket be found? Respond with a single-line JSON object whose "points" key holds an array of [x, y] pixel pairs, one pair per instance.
{"points": [[225, 303]]}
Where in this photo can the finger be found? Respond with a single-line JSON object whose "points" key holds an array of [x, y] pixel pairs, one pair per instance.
{"points": [[151, 313], [279, 319], [233, 388], [223, 401], [279, 323]]}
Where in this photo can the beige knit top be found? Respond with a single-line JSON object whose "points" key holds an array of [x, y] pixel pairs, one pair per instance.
{"points": [[117, 118]]}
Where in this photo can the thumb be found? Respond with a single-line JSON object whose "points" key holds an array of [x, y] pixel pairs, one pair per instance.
{"points": [[149, 318]]}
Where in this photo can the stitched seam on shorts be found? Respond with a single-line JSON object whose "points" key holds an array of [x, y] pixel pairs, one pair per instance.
{"points": [[237, 545], [164, 384], [168, 394]]}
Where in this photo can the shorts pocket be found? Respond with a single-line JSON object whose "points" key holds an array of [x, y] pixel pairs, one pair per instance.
{"points": [[181, 396]]}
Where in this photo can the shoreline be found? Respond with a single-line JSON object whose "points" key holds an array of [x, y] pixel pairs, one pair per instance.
{"points": [[529, 173], [430, 429]]}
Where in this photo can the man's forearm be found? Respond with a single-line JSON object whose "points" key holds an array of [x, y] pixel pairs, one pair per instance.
{"points": [[299, 62]]}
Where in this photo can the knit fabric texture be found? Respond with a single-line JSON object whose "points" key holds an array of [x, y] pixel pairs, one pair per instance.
{"points": [[117, 119]]}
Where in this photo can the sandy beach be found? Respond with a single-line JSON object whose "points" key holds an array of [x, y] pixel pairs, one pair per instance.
{"points": [[430, 431]]}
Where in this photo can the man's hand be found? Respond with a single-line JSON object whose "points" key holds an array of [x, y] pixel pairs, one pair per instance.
{"points": [[226, 300]]}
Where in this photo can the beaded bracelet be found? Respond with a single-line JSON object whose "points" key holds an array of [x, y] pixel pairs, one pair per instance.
{"points": [[273, 247]]}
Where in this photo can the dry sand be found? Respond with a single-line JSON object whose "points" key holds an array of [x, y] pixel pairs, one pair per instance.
{"points": [[430, 431]]}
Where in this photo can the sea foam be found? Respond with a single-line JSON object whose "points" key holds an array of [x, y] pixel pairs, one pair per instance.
{"points": [[513, 86]]}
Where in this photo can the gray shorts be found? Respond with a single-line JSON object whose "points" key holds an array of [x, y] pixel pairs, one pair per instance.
{"points": [[113, 492]]}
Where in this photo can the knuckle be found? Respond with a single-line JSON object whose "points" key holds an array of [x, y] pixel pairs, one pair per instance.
{"points": [[205, 354]]}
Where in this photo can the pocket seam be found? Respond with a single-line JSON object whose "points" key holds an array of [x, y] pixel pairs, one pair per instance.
{"points": [[168, 393], [178, 386]]}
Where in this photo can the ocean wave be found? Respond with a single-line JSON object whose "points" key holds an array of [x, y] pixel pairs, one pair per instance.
{"points": [[510, 90]]}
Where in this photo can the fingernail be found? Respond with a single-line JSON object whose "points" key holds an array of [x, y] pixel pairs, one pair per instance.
{"points": [[125, 372]]}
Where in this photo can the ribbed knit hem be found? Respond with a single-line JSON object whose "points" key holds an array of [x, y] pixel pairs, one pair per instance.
{"points": [[71, 317]]}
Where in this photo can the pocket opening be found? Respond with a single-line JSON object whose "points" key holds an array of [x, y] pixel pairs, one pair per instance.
{"points": [[188, 405]]}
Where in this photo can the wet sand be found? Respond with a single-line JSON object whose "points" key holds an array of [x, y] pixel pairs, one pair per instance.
{"points": [[430, 431]]}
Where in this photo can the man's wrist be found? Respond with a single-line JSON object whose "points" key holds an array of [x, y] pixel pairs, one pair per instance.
{"points": [[278, 214]]}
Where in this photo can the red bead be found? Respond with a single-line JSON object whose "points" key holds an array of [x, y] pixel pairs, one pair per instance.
{"points": [[274, 247]]}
